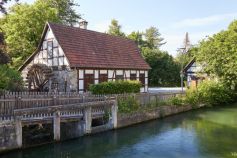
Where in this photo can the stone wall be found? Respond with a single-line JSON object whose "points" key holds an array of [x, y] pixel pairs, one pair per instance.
{"points": [[142, 116], [8, 136]]}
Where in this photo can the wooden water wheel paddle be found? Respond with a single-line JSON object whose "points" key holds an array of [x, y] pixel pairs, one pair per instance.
{"points": [[38, 75]]}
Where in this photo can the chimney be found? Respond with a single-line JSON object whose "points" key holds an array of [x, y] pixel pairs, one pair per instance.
{"points": [[83, 24]]}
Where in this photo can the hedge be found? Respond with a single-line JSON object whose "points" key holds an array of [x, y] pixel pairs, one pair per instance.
{"points": [[115, 87], [211, 93]]}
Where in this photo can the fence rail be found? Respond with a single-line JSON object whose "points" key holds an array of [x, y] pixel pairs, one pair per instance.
{"points": [[10, 101]]}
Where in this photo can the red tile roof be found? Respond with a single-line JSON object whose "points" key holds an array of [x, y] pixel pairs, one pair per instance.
{"points": [[90, 49]]}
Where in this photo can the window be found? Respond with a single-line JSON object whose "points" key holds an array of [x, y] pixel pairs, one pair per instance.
{"points": [[50, 49], [133, 76], [50, 62], [44, 45], [88, 79], [55, 61], [103, 78], [119, 77], [61, 60], [52, 54], [142, 79], [55, 52]]}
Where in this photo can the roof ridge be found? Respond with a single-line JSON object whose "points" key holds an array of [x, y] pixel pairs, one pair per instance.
{"points": [[106, 34]]}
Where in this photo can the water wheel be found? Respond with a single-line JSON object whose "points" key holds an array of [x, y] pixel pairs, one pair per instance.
{"points": [[38, 75]]}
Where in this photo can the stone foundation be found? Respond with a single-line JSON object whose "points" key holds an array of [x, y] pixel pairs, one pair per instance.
{"points": [[11, 134], [142, 116], [8, 136]]}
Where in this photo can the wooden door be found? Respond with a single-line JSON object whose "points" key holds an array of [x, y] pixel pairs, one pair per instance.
{"points": [[88, 79]]}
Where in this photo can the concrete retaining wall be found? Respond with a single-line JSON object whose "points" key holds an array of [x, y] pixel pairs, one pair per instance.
{"points": [[8, 136], [10, 132], [142, 116]]}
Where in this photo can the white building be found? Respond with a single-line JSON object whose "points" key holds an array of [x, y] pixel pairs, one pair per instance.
{"points": [[70, 58], [194, 73]]}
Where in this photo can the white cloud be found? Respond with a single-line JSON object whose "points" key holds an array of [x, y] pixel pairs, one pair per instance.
{"points": [[204, 21]]}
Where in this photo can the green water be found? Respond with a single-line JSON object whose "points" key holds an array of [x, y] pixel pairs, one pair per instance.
{"points": [[209, 132]]}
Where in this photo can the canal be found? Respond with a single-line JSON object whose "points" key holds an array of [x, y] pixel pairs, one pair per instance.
{"points": [[208, 132]]}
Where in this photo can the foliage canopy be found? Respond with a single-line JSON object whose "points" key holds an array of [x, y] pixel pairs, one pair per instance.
{"points": [[218, 54], [24, 23]]}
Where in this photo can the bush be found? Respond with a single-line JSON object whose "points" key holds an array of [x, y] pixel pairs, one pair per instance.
{"points": [[127, 104], [192, 97], [10, 79], [176, 101], [210, 93], [116, 87], [215, 93]]}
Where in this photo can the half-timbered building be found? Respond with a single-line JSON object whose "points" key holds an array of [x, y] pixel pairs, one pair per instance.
{"points": [[194, 73], [71, 58]]}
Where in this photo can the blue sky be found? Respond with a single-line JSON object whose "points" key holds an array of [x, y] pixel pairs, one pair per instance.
{"points": [[172, 17]]}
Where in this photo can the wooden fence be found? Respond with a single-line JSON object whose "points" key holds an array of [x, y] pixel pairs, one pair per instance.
{"points": [[10, 101]]}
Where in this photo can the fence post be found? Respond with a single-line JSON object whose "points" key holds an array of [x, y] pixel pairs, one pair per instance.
{"points": [[88, 119], [18, 131], [54, 99], [114, 110], [56, 126]]}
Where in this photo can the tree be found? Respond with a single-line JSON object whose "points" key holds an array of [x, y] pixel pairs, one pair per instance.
{"points": [[115, 29], [218, 54], [23, 28], [138, 38], [10, 79], [185, 58], [153, 38], [65, 10], [24, 24], [2, 7], [164, 70], [4, 58]]}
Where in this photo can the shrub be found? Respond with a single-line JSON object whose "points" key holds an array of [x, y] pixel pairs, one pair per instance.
{"points": [[210, 93], [10, 79], [176, 101], [127, 104], [192, 97], [215, 93], [116, 87]]}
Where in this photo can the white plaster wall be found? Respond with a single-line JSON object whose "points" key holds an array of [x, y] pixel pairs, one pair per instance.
{"points": [[110, 75], [81, 74], [96, 76], [127, 74], [137, 72], [89, 71], [81, 82], [103, 71], [119, 72], [38, 57]]}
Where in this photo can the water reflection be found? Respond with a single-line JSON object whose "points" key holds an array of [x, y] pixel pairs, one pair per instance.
{"points": [[202, 133]]}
